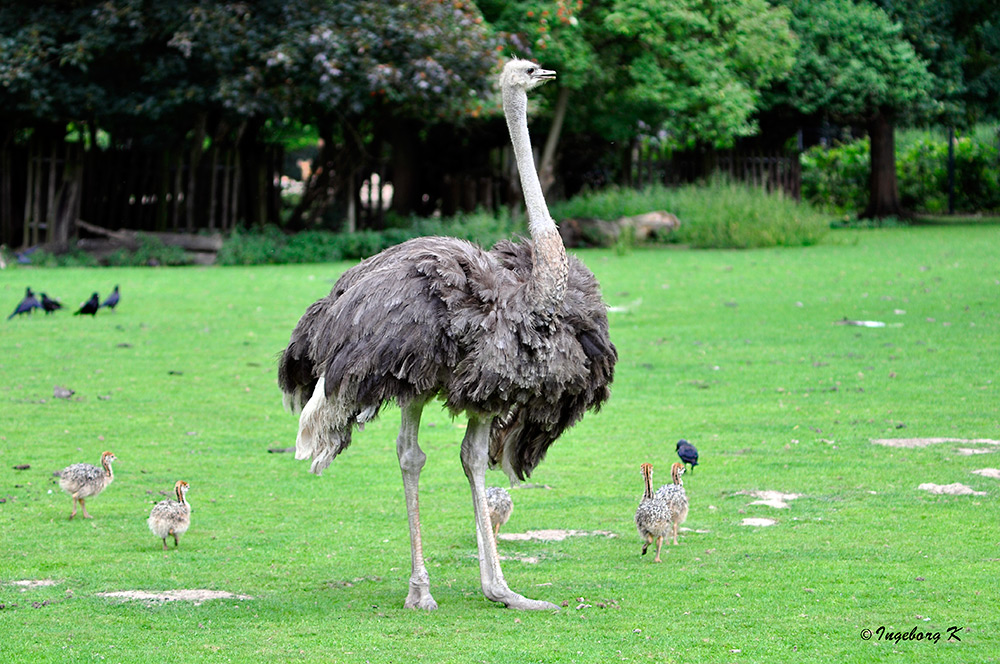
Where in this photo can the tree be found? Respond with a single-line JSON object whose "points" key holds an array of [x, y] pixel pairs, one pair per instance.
{"points": [[854, 66], [697, 67], [693, 69], [183, 78], [960, 41]]}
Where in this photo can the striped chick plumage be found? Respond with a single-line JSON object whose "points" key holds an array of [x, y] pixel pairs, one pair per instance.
{"points": [[653, 517], [83, 480], [171, 518], [500, 506], [675, 497]]}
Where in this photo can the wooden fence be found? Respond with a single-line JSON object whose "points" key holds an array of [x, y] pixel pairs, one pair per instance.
{"points": [[774, 171]]}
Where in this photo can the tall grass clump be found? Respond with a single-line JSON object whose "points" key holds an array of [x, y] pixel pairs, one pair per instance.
{"points": [[719, 214], [728, 215]]}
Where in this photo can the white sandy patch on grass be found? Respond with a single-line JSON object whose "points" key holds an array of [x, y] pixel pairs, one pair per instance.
{"points": [[184, 595], [34, 583], [924, 442], [775, 499], [955, 489], [554, 535], [988, 472], [758, 521]]}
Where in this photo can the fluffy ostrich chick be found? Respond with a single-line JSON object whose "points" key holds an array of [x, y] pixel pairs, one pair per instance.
{"points": [[675, 498], [500, 505], [653, 517], [171, 518], [83, 480]]}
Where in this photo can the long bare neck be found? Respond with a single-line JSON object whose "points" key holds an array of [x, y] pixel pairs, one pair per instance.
{"points": [[180, 495], [108, 473], [550, 268], [647, 478], [676, 473]]}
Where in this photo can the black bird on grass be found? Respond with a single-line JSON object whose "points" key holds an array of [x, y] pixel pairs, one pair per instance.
{"points": [[50, 305], [90, 306], [26, 305], [687, 452], [112, 300]]}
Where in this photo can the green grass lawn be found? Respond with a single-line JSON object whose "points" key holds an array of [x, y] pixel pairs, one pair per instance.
{"points": [[739, 352]]}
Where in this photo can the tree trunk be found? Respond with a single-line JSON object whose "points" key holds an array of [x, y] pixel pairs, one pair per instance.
{"points": [[883, 198], [546, 168], [197, 150], [67, 207], [6, 188]]}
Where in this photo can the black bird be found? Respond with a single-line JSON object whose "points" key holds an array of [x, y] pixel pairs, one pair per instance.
{"points": [[687, 452], [112, 300], [49, 304], [90, 306], [26, 305]]}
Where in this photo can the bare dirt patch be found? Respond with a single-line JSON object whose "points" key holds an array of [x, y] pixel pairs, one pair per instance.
{"points": [[775, 499], [758, 521], [530, 560], [184, 595], [955, 489], [554, 535], [988, 472], [25, 584], [970, 451], [924, 442]]}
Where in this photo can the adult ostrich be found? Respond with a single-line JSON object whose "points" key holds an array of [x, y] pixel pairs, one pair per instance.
{"points": [[516, 338]]}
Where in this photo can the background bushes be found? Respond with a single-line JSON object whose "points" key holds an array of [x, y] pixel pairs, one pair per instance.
{"points": [[836, 178], [271, 245]]}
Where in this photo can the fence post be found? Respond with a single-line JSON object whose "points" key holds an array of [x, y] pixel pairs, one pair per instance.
{"points": [[951, 170]]}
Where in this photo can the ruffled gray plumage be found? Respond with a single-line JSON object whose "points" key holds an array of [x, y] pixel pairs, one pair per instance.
{"points": [[439, 316]]}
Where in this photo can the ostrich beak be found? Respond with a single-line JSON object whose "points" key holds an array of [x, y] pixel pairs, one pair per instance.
{"points": [[544, 74]]}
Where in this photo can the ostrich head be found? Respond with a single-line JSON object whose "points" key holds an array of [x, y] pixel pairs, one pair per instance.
{"points": [[181, 488], [524, 74]]}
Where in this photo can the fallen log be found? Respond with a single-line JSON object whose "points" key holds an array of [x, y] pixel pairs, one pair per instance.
{"points": [[130, 239]]}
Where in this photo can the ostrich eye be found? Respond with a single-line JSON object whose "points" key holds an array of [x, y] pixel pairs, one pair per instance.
{"points": [[531, 70]]}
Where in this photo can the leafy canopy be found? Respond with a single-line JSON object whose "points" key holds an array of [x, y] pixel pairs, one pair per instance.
{"points": [[853, 63]]}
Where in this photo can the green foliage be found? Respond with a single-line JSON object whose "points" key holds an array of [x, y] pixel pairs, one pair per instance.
{"points": [[717, 215], [270, 246], [693, 68], [733, 216], [73, 258], [852, 63], [151, 251], [696, 68], [135, 65], [923, 176], [959, 40], [836, 179]]}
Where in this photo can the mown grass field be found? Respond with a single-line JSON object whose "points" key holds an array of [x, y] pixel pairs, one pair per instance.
{"points": [[739, 352]]}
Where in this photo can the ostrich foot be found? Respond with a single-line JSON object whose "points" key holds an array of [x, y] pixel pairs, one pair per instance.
{"points": [[512, 600], [420, 598]]}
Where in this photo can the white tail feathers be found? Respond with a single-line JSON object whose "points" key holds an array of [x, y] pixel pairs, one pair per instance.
{"points": [[324, 429], [309, 443]]}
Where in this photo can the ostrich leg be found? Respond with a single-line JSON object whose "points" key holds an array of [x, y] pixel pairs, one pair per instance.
{"points": [[475, 451], [411, 461]]}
